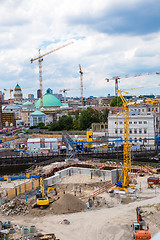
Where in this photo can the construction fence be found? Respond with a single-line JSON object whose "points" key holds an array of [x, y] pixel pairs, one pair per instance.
{"points": [[104, 174], [23, 188]]}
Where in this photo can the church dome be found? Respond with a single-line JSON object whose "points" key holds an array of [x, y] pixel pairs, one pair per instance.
{"points": [[49, 100]]}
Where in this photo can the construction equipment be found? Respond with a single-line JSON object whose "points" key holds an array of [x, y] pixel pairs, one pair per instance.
{"points": [[115, 79], [81, 78], [40, 59], [42, 198], [10, 91], [138, 231], [124, 183], [64, 92]]}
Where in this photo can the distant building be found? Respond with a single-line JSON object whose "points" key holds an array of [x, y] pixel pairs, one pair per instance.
{"points": [[18, 94], [31, 96], [38, 93], [1, 112], [37, 117], [49, 91]]}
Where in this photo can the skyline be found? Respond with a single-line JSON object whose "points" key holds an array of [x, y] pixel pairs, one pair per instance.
{"points": [[112, 38]]}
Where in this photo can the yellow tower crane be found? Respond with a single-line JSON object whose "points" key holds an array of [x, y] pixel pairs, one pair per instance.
{"points": [[81, 78], [40, 59], [127, 147]]}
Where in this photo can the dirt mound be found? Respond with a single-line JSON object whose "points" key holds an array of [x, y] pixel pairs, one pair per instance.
{"points": [[68, 204]]}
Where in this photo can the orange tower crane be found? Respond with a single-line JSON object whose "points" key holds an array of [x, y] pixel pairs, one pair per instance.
{"points": [[81, 78], [40, 59], [10, 91]]}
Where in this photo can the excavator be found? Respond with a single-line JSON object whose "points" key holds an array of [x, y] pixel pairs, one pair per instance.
{"points": [[42, 198], [138, 231]]}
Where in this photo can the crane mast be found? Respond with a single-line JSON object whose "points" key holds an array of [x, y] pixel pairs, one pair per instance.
{"points": [[40, 59], [127, 146], [81, 78]]}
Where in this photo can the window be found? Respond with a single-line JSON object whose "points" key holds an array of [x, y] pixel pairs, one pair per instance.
{"points": [[42, 145], [140, 139], [139, 110], [121, 131], [149, 109], [142, 109], [145, 122], [140, 122], [115, 122], [135, 131], [140, 130], [156, 109], [120, 122], [145, 140], [135, 122], [145, 131], [135, 139], [116, 131], [130, 131], [130, 122]]}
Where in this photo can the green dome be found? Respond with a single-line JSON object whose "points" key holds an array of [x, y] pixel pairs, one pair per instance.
{"points": [[27, 103], [49, 100]]}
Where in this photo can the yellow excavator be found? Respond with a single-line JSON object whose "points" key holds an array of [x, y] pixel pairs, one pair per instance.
{"points": [[42, 198]]}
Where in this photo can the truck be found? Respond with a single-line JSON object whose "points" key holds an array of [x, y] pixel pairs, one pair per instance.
{"points": [[138, 227]]}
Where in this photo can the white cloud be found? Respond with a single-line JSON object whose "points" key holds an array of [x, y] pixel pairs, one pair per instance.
{"points": [[26, 26]]}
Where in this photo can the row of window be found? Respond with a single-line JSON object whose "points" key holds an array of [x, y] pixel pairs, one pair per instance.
{"points": [[135, 131], [149, 109], [135, 122], [139, 139]]}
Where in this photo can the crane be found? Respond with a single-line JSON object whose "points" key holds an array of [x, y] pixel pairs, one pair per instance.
{"points": [[40, 59], [81, 78], [115, 79], [64, 92], [10, 91], [127, 147]]}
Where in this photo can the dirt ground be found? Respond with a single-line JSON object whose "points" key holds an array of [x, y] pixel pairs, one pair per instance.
{"points": [[109, 221]]}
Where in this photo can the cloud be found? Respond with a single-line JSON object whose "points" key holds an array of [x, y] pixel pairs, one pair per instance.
{"points": [[110, 38]]}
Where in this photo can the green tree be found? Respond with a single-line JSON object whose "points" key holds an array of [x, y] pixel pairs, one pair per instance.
{"points": [[87, 117], [114, 101], [65, 123], [75, 124], [104, 115]]}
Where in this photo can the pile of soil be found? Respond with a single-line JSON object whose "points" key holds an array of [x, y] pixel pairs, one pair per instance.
{"points": [[68, 204]]}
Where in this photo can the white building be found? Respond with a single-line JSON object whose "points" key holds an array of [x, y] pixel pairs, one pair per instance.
{"points": [[141, 126], [39, 144]]}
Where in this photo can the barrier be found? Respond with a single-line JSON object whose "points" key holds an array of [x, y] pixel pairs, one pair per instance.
{"points": [[74, 170], [20, 177], [23, 188]]}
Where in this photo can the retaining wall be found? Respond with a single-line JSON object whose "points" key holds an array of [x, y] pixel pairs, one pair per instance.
{"points": [[74, 170]]}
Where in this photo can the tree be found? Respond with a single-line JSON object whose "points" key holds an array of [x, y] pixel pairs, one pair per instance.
{"points": [[113, 102], [65, 123], [75, 124], [104, 115], [87, 117]]}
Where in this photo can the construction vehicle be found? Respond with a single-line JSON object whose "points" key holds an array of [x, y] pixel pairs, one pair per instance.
{"points": [[42, 197], [138, 231], [40, 59], [123, 181]]}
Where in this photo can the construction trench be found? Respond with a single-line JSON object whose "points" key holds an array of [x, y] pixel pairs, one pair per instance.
{"points": [[82, 197]]}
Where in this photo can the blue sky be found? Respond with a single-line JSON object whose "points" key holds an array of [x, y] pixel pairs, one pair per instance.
{"points": [[111, 38]]}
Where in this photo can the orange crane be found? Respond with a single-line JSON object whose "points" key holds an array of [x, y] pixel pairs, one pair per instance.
{"points": [[10, 91], [81, 77], [40, 59]]}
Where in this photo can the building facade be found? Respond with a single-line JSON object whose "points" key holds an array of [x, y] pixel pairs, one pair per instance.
{"points": [[141, 128]]}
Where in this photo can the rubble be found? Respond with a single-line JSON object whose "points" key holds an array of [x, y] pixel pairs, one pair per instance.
{"points": [[15, 207]]}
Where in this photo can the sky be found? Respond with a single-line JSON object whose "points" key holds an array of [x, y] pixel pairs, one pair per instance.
{"points": [[110, 38]]}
